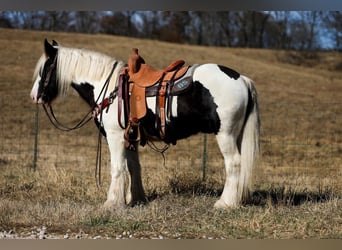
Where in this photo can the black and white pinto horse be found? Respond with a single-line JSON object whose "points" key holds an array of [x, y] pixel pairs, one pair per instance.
{"points": [[221, 101]]}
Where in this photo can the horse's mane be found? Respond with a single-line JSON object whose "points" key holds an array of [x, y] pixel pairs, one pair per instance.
{"points": [[83, 64]]}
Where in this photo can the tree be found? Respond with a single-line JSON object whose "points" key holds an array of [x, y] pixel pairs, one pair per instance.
{"points": [[333, 21], [150, 24], [86, 21], [5, 21], [119, 23], [212, 28], [174, 26], [278, 30], [54, 20], [304, 30], [253, 25]]}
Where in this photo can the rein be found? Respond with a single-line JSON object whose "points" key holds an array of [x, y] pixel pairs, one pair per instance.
{"points": [[57, 124], [96, 110], [99, 141], [51, 115]]}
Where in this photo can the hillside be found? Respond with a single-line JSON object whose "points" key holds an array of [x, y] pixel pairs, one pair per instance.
{"points": [[299, 175]]}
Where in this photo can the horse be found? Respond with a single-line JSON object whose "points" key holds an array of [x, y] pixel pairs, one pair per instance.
{"points": [[220, 101]]}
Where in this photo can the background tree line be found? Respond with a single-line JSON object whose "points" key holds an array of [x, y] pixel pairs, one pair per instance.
{"points": [[299, 30]]}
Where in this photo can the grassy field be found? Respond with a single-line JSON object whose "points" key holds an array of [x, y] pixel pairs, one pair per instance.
{"points": [[297, 187]]}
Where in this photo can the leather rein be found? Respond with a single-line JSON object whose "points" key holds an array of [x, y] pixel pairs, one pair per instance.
{"points": [[94, 110]]}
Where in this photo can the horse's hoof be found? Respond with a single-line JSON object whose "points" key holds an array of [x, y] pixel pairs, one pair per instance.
{"points": [[220, 204], [110, 205], [137, 203]]}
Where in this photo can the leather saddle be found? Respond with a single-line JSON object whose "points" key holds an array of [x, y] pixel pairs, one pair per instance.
{"points": [[144, 76], [147, 81]]}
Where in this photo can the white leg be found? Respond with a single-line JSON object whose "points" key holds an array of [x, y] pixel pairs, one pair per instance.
{"points": [[116, 195], [230, 196]]}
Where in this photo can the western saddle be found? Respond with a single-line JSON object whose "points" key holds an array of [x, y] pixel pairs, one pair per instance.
{"points": [[143, 81]]}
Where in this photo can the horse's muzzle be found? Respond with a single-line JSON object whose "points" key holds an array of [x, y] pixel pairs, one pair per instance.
{"points": [[35, 100]]}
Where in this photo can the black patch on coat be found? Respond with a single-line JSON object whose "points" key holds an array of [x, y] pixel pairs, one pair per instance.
{"points": [[229, 72], [86, 92], [196, 112]]}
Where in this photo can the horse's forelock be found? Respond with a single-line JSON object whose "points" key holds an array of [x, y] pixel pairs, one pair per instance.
{"points": [[39, 67]]}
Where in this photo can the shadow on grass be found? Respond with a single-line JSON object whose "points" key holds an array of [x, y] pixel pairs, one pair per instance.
{"points": [[260, 197], [281, 196]]}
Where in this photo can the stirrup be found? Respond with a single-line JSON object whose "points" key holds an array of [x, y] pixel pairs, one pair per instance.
{"points": [[132, 135]]}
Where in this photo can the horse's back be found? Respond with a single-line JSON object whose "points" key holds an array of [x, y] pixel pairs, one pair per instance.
{"points": [[227, 87]]}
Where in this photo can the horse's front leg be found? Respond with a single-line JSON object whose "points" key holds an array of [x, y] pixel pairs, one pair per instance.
{"points": [[133, 164], [116, 196]]}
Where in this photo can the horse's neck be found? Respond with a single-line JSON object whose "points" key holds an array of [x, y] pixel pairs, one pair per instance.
{"points": [[86, 67], [99, 81], [106, 85]]}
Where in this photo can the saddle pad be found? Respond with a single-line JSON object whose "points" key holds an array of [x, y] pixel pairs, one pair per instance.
{"points": [[183, 83]]}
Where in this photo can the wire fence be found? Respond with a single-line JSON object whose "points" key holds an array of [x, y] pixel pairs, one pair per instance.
{"points": [[295, 138]]}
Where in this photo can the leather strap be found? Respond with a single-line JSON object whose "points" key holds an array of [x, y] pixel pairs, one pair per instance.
{"points": [[120, 86]]}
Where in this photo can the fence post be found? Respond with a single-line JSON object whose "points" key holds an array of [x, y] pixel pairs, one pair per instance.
{"points": [[36, 124], [204, 157]]}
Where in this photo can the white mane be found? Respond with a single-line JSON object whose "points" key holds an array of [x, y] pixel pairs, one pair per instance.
{"points": [[83, 65]]}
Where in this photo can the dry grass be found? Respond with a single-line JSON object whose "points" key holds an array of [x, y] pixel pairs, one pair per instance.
{"points": [[297, 188]]}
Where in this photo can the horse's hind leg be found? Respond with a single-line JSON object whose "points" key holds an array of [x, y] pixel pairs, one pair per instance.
{"points": [[230, 196]]}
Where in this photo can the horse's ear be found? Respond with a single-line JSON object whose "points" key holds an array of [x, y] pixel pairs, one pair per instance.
{"points": [[54, 43], [50, 51]]}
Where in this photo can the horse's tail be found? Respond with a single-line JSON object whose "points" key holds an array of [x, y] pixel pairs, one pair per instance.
{"points": [[250, 143]]}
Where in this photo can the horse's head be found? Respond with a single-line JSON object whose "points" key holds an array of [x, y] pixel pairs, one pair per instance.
{"points": [[45, 88]]}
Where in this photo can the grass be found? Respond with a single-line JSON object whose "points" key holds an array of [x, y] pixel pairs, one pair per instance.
{"points": [[297, 189], [63, 201]]}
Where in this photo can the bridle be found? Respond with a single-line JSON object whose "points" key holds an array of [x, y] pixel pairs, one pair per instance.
{"points": [[88, 116], [91, 114], [52, 67]]}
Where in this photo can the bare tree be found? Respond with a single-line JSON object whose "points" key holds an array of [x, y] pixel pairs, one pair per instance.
{"points": [[212, 28], [119, 23], [174, 26], [252, 28], [86, 21], [5, 21], [150, 24], [304, 30], [55, 20], [333, 22], [280, 27], [312, 20]]}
